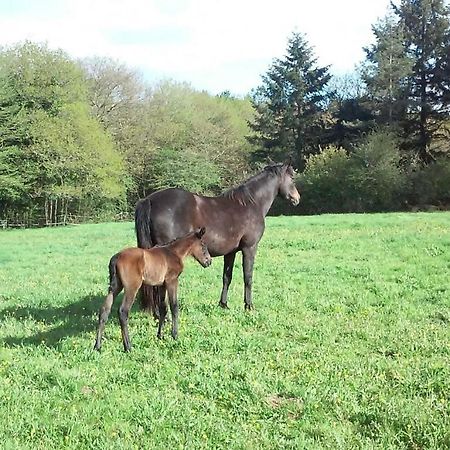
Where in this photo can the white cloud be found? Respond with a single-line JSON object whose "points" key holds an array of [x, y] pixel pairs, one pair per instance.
{"points": [[216, 45]]}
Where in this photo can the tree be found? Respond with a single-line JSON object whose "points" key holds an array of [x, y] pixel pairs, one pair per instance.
{"points": [[426, 25], [290, 104], [350, 109], [208, 131], [58, 150], [387, 72]]}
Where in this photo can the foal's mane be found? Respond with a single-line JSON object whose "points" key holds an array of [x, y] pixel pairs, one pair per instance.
{"points": [[174, 240], [244, 194]]}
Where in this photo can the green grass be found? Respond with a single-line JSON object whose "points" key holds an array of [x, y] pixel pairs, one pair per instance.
{"points": [[348, 347]]}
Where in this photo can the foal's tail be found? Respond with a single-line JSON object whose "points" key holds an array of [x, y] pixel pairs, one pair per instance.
{"points": [[143, 227], [115, 285]]}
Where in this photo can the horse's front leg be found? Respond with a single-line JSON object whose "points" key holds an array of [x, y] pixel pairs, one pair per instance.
{"points": [[172, 288], [228, 263], [248, 259]]}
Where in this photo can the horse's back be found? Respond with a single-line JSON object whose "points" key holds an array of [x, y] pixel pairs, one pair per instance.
{"points": [[173, 214]]}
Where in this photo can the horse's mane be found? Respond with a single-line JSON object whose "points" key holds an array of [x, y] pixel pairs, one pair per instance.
{"points": [[244, 194]]}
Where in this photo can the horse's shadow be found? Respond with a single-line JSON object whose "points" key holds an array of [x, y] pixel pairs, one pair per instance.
{"points": [[61, 321]]}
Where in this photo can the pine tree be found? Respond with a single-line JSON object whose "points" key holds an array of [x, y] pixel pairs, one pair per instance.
{"points": [[290, 104], [426, 25], [387, 72]]}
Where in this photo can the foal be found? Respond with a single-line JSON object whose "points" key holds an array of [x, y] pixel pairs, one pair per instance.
{"points": [[156, 266]]}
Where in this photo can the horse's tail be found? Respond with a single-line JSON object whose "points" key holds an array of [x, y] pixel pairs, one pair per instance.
{"points": [[142, 223]]}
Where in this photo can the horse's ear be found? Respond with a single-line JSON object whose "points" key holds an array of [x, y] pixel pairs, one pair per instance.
{"points": [[200, 232], [288, 161]]}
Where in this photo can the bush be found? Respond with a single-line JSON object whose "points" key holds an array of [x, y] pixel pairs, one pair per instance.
{"points": [[430, 185], [324, 183], [367, 179], [377, 178]]}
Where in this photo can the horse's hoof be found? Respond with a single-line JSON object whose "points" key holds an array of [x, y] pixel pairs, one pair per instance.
{"points": [[248, 307], [224, 305], [97, 347]]}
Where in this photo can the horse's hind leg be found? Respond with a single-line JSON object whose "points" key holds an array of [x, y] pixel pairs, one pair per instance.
{"points": [[104, 314], [162, 310], [127, 303], [172, 288]]}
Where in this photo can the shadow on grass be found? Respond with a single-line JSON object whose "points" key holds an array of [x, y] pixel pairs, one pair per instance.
{"points": [[62, 321]]}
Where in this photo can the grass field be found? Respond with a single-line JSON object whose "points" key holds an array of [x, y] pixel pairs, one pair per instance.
{"points": [[348, 347]]}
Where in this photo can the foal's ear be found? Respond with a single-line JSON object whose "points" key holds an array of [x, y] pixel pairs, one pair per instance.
{"points": [[200, 232]]}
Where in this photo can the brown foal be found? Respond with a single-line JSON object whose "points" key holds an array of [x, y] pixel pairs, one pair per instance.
{"points": [[157, 266]]}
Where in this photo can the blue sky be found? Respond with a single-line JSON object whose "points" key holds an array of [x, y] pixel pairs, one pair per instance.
{"points": [[215, 45]]}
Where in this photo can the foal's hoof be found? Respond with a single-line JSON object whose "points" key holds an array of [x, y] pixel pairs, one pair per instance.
{"points": [[248, 307], [97, 347], [224, 305]]}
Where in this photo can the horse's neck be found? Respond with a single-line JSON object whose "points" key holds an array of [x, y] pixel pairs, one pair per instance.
{"points": [[265, 192]]}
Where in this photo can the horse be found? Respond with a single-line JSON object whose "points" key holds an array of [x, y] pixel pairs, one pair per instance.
{"points": [[160, 265], [234, 220]]}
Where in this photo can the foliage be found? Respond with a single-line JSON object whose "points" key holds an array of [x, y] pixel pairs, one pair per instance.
{"points": [[367, 179], [387, 71], [291, 102], [325, 184], [202, 134], [427, 37], [352, 116], [184, 169], [347, 347], [430, 185], [60, 153]]}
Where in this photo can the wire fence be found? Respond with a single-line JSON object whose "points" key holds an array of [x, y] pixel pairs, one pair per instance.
{"points": [[63, 220]]}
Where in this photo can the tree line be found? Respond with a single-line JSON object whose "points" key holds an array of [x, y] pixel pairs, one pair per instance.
{"points": [[90, 137]]}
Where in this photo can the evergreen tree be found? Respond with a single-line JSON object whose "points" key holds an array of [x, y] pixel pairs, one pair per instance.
{"points": [[290, 104], [426, 25], [387, 72]]}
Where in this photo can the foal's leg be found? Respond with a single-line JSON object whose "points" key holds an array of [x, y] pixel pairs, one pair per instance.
{"points": [[172, 288], [162, 310], [248, 258], [228, 263], [104, 314], [127, 303]]}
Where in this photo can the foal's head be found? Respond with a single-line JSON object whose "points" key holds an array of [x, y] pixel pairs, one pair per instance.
{"points": [[287, 188], [199, 250]]}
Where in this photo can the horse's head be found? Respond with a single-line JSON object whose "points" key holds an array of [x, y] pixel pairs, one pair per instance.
{"points": [[199, 250], [287, 188]]}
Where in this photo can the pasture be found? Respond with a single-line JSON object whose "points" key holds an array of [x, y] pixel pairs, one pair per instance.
{"points": [[348, 345]]}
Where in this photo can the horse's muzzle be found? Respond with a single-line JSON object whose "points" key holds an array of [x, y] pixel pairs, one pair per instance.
{"points": [[295, 200], [207, 262]]}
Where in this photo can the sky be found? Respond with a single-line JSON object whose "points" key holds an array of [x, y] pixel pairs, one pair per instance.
{"points": [[215, 45]]}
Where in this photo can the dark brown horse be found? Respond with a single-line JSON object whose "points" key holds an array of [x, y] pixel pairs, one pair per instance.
{"points": [[234, 221], [161, 265]]}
